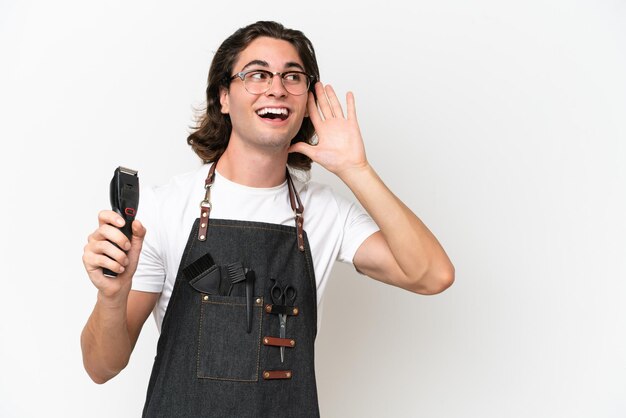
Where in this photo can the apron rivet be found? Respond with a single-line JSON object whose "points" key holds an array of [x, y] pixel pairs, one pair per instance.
{"points": [[201, 236], [265, 340], [204, 214], [266, 375], [288, 374], [258, 301], [295, 311], [203, 225], [292, 342], [268, 308], [301, 247], [205, 297]]}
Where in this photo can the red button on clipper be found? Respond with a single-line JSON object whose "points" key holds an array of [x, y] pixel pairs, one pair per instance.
{"points": [[129, 211]]}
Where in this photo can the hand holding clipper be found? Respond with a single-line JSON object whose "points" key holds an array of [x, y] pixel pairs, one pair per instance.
{"points": [[124, 195]]}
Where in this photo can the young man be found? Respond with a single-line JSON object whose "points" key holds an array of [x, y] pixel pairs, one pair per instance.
{"points": [[235, 299]]}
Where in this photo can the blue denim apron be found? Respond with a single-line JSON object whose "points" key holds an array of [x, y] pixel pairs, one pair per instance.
{"points": [[207, 363]]}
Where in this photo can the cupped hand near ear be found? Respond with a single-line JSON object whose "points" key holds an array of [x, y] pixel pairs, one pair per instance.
{"points": [[339, 148]]}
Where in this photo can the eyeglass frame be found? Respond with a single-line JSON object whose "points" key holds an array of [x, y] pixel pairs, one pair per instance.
{"points": [[242, 75]]}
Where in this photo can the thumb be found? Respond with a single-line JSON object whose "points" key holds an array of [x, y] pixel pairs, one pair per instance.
{"points": [[136, 242], [302, 148], [139, 231]]}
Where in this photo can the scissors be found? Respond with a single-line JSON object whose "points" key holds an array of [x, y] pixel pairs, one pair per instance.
{"points": [[283, 296]]}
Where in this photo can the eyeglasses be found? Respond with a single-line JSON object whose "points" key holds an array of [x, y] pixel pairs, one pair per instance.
{"points": [[260, 81]]}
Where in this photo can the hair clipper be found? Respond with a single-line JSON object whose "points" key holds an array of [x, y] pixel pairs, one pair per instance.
{"points": [[124, 195]]}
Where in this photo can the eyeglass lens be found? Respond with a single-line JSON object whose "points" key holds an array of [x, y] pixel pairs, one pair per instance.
{"points": [[258, 82]]}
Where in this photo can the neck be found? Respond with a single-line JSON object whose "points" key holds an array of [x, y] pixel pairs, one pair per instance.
{"points": [[252, 169]]}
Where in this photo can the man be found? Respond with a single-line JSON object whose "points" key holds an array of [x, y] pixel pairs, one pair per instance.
{"points": [[235, 299]]}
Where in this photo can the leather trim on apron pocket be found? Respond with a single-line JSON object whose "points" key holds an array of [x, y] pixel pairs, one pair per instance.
{"points": [[226, 351]]}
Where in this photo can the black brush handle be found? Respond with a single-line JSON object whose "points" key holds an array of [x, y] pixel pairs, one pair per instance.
{"points": [[124, 196], [250, 278]]}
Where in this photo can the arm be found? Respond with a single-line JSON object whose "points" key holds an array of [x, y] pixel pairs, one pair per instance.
{"points": [[404, 252], [112, 330]]}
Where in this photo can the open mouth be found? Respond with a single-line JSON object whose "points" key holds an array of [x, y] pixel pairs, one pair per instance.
{"points": [[273, 113]]}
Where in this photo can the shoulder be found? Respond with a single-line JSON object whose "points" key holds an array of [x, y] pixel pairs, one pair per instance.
{"points": [[322, 197], [176, 189], [171, 199], [181, 183]]}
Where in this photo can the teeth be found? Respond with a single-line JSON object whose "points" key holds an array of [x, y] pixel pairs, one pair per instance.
{"points": [[273, 110]]}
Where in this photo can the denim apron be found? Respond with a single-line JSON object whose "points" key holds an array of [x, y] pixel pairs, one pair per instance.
{"points": [[216, 357]]}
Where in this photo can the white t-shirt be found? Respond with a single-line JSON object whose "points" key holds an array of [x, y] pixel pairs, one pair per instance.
{"points": [[335, 226]]}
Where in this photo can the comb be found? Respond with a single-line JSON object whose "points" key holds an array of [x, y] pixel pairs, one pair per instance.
{"points": [[236, 275]]}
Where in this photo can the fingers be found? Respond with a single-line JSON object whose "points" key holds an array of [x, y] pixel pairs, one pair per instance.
{"points": [[109, 241], [351, 106], [335, 105], [103, 254], [96, 262], [322, 101], [328, 104], [110, 217], [314, 113], [111, 233], [106, 246]]}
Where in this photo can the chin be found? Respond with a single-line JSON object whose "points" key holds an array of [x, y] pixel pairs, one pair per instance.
{"points": [[276, 140]]}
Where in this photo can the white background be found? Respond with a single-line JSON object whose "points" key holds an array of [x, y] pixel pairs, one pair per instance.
{"points": [[501, 124]]}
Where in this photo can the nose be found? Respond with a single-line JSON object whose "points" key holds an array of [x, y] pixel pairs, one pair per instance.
{"points": [[276, 87]]}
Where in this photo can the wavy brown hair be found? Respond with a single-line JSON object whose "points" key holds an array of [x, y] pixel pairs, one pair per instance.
{"points": [[212, 132]]}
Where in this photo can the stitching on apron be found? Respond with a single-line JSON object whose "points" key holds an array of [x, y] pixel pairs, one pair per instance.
{"points": [[199, 339], [258, 351], [258, 227], [222, 303], [258, 356]]}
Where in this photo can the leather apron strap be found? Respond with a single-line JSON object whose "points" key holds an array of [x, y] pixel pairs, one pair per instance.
{"points": [[294, 200], [205, 204]]}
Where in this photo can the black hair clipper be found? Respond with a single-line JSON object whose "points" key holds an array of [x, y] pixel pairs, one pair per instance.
{"points": [[124, 195]]}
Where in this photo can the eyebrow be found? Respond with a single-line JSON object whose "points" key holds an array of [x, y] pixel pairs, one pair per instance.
{"points": [[265, 64]]}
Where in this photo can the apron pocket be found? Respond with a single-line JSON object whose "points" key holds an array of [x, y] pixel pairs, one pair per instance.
{"points": [[226, 351]]}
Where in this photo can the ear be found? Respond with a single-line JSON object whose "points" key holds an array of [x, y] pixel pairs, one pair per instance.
{"points": [[306, 108], [224, 101]]}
